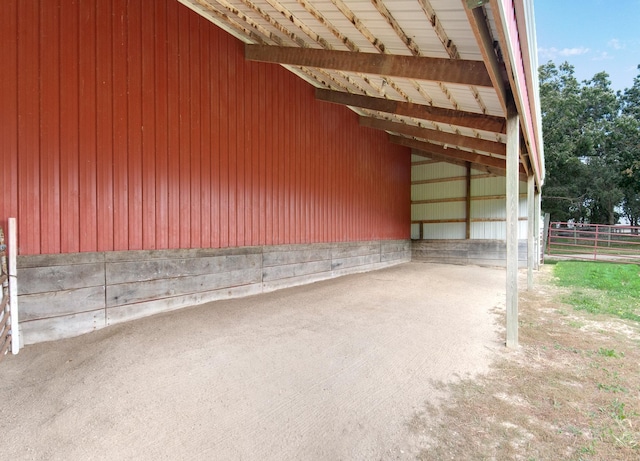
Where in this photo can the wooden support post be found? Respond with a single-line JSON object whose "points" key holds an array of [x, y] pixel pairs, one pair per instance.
{"points": [[13, 285], [513, 161], [531, 230], [538, 236], [468, 204], [545, 232]]}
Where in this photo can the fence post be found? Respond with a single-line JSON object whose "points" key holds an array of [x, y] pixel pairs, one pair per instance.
{"points": [[13, 285], [595, 247], [545, 233]]}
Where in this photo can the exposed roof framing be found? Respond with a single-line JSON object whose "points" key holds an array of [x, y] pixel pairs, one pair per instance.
{"points": [[435, 136], [429, 113], [434, 71]]}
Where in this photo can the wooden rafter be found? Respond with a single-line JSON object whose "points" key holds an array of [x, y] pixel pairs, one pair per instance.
{"points": [[435, 136], [447, 43], [421, 68], [435, 114], [478, 23], [455, 156]]}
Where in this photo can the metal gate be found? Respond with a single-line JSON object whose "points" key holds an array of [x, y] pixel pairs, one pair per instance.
{"points": [[9, 332], [594, 242]]}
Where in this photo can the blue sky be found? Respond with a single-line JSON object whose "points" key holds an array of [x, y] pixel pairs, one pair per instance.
{"points": [[592, 35]]}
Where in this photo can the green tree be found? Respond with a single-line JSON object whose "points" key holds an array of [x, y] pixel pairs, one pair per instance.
{"points": [[592, 147], [628, 141], [562, 108]]}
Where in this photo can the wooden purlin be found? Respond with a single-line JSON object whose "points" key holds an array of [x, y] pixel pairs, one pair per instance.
{"points": [[375, 42], [230, 21], [449, 46], [396, 118], [410, 44], [350, 44], [386, 14], [300, 42], [455, 155], [436, 114], [435, 136]]}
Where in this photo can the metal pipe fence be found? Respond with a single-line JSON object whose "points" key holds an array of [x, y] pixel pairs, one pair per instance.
{"points": [[594, 242]]}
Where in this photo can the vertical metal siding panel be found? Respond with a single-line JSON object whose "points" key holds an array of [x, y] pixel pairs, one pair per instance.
{"points": [[215, 137], [69, 212], [215, 143], [87, 127], [282, 164], [274, 147], [28, 123], [240, 95], [194, 116], [298, 154], [285, 178], [104, 126], [270, 153], [232, 87], [313, 176], [224, 142], [253, 76], [304, 160], [173, 125], [9, 112], [135, 173], [49, 129], [120, 130], [249, 146], [205, 137], [161, 127], [262, 142], [318, 174], [148, 126], [184, 119]]}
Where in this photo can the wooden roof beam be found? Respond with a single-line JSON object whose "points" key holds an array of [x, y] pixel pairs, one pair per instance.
{"points": [[432, 69], [435, 114], [495, 69], [451, 139], [451, 155]]}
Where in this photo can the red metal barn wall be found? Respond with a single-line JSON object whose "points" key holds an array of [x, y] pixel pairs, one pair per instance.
{"points": [[131, 125]]}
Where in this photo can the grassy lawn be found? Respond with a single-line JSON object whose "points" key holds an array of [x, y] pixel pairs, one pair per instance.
{"points": [[601, 288], [571, 391]]}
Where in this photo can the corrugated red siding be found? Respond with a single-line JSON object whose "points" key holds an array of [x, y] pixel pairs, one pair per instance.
{"points": [[139, 125]]}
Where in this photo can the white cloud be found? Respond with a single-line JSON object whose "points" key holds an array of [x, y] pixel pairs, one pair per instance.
{"points": [[553, 53], [573, 51], [603, 56], [615, 44]]}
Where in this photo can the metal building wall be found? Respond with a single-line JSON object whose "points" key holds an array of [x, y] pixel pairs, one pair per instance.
{"points": [[438, 203], [139, 125]]}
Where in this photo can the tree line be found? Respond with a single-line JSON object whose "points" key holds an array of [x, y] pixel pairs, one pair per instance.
{"points": [[592, 147]]}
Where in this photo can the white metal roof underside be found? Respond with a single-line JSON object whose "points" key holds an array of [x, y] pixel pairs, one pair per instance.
{"points": [[454, 114]]}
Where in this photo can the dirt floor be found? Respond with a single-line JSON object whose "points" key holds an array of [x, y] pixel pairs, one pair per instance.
{"points": [[335, 370]]}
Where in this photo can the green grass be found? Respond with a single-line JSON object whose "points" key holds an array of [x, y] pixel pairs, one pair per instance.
{"points": [[601, 288]]}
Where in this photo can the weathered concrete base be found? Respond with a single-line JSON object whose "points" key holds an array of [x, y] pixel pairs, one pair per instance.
{"points": [[491, 253], [66, 295]]}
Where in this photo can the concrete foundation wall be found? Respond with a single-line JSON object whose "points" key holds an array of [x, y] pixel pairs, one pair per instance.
{"points": [[65, 295], [475, 252]]}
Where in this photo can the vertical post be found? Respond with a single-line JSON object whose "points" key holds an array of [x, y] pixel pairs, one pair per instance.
{"points": [[513, 167], [468, 204], [531, 230], [538, 234], [545, 230], [13, 285]]}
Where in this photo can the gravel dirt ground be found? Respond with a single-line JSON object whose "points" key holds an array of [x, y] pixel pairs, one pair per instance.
{"points": [[335, 370]]}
